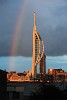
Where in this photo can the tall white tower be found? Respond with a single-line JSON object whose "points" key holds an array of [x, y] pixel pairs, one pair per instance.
{"points": [[33, 48], [37, 52]]}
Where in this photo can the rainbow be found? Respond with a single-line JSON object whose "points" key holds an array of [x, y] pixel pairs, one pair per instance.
{"points": [[16, 35]]}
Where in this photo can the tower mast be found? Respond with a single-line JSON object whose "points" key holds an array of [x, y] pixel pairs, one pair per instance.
{"points": [[37, 51], [33, 49], [34, 20]]}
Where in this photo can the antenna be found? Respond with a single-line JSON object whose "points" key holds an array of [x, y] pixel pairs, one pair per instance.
{"points": [[34, 20]]}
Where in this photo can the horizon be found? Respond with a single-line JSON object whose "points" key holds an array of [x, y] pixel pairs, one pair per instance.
{"points": [[21, 63]]}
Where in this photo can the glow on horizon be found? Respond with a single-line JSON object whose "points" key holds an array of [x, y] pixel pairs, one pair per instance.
{"points": [[25, 63], [58, 59], [57, 62], [16, 36]]}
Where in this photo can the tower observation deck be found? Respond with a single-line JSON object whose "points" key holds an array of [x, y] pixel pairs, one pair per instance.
{"points": [[38, 56]]}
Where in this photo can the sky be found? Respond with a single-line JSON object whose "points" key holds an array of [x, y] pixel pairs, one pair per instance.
{"points": [[21, 64], [16, 25]]}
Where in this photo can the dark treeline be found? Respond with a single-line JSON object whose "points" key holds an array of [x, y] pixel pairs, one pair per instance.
{"points": [[48, 92]]}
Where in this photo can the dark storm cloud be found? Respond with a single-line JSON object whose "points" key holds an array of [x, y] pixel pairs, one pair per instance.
{"points": [[51, 24], [3, 1]]}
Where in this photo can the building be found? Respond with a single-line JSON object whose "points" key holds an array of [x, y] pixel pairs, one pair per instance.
{"points": [[56, 75], [38, 56], [3, 84], [43, 65], [21, 90]]}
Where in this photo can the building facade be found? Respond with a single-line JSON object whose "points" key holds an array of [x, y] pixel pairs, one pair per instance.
{"points": [[3, 84]]}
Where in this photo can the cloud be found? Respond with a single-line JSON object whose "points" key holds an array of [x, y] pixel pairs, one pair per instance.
{"points": [[51, 23]]}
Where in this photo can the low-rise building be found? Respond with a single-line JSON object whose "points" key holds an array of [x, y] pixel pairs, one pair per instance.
{"points": [[3, 84]]}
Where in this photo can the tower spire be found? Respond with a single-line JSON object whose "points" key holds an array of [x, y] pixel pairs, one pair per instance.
{"points": [[37, 50], [34, 20]]}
